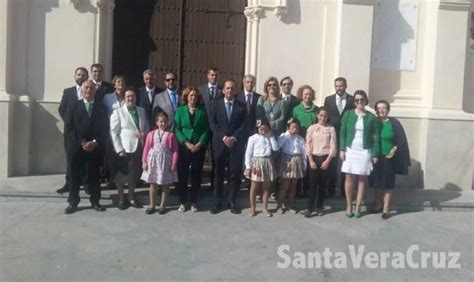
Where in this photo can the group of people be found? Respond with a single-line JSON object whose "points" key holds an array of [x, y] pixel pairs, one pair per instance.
{"points": [[279, 141]]}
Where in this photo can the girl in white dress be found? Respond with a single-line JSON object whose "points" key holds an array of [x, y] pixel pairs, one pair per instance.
{"points": [[259, 166], [292, 164]]}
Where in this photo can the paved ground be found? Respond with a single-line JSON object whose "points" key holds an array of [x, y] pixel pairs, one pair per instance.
{"points": [[39, 243]]}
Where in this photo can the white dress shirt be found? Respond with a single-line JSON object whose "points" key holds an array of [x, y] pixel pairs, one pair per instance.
{"points": [[78, 90], [149, 92], [259, 146]]}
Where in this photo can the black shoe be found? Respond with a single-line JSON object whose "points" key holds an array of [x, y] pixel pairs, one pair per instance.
{"points": [[64, 189], [234, 210], [385, 215], [70, 209], [150, 211], [135, 204], [123, 205], [111, 186], [217, 209], [86, 189], [98, 207], [162, 211]]}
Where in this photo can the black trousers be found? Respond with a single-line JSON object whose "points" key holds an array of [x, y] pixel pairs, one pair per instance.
{"points": [[196, 160], [232, 159], [91, 161], [317, 187]]}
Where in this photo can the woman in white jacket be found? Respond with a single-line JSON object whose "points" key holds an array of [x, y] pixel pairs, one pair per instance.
{"points": [[128, 128]]}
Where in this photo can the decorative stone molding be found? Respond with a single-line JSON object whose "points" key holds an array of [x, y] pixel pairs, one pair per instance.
{"points": [[104, 6], [253, 14], [456, 5], [281, 11], [359, 2], [256, 9]]}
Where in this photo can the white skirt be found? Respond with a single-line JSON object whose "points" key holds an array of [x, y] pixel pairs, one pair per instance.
{"points": [[357, 162]]}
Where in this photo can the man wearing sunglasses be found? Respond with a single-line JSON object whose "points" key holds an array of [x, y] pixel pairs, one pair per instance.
{"points": [[338, 104], [168, 100], [286, 85]]}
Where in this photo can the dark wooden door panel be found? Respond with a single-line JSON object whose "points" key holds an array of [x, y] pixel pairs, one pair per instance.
{"points": [[184, 36]]}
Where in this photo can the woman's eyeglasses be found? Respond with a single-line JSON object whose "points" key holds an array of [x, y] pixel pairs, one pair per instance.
{"points": [[359, 100], [170, 79], [271, 85]]}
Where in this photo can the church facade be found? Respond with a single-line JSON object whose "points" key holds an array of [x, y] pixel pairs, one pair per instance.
{"points": [[416, 54]]}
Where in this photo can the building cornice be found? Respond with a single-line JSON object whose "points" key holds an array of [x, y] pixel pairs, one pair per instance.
{"points": [[456, 5]]}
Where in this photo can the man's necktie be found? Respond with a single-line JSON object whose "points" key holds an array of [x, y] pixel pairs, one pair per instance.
{"points": [[89, 109], [339, 105], [249, 103], [211, 91], [150, 96], [229, 111], [173, 99]]}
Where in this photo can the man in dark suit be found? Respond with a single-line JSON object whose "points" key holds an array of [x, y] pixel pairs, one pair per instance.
{"points": [[211, 90], [146, 94], [86, 133], [286, 85], [168, 100], [338, 104], [250, 98], [70, 96], [227, 123], [103, 87]]}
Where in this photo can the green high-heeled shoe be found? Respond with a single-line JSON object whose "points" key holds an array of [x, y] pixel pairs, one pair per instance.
{"points": [[349, 215]]}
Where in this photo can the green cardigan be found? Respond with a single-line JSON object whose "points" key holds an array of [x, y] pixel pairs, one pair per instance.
{"points": [[197, 132], [306, 117], [371, 131]]}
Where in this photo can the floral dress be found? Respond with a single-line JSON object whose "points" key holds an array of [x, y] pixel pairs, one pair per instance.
{"points": [[160, 157]]}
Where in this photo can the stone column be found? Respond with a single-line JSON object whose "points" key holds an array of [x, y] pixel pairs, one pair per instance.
{"points": [[104, 34], [347, 43], [253, 14], [5, 97]]}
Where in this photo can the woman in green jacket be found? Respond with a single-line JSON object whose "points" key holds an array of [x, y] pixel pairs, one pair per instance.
{"points": [[192, 132], [359, 147], [306, 111]]}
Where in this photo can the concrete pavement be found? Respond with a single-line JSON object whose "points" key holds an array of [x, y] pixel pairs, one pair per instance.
{"points": [[39, 243]]}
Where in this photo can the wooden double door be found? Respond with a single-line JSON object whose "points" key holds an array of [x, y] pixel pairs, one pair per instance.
{"points": [[183, 36]]}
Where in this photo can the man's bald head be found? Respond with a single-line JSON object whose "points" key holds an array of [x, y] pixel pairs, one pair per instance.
{"points": [[88, 90]]}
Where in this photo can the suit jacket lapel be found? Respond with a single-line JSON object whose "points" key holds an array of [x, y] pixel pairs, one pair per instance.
{"points": [[147, 102], [197, 116], [130, 118]]}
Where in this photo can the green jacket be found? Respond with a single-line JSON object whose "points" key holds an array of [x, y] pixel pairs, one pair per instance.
{"points": [[194, 133], [371, 131], [306, 117]]}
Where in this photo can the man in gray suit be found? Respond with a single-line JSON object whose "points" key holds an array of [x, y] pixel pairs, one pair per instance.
{"points": [[211, 90], [168, 100]]}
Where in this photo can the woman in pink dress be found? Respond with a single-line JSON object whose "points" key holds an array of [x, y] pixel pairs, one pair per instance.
{"points": [[159, 161]]}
